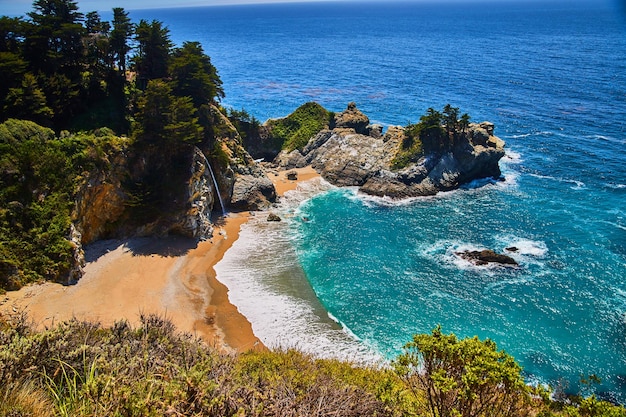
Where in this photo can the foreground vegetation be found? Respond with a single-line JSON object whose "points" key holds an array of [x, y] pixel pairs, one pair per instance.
{"points": [[82, 369]]}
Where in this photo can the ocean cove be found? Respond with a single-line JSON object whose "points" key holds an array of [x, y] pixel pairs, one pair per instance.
{"points": [[550, 77]]}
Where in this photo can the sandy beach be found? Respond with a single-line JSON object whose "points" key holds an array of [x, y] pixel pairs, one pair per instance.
{"points": [[172, 277], [282, 184]]}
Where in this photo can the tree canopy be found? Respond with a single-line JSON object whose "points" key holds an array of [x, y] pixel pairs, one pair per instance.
{"points": [[69, 70]]}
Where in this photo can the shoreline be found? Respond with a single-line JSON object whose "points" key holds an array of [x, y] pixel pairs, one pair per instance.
{"points": [[173, 277]]}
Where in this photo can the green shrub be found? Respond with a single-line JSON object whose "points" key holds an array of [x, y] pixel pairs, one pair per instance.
{"points": [[466, 377], [295, 130], [39, 175], [82, 369]]}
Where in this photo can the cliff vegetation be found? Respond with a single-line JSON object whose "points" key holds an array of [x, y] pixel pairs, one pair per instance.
{"points": [[39, 176]]}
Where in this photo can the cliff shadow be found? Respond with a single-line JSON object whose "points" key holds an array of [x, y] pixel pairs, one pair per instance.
{"points": [[170, 246]]}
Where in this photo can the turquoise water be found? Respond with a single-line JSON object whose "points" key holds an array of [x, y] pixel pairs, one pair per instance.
{"points": [[362, 275]]}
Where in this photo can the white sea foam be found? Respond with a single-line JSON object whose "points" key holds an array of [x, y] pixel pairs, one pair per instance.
{"points": [[375, 201], [607, 139], [526, 135], [512, 157], [616, 225], [269, 287], [528, 251], [577, 185]]}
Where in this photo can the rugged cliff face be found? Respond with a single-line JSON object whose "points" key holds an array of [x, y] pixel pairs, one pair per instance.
{"points": [[242, 182], [355, 153], [222, 174], [212, 179]]}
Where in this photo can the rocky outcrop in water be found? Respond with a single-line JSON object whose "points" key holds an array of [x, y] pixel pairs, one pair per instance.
{"points": [[486, 257], [355, 153]]}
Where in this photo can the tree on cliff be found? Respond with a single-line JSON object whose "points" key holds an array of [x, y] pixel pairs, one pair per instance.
{"points": [[55, 39], [153, 52], [165, 120], [12, 63], [28, 101], [120, 36], [468, 377], [194, 76], [54, 50]]}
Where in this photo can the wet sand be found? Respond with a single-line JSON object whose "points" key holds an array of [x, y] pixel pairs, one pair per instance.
{"points": [[282, 184]]}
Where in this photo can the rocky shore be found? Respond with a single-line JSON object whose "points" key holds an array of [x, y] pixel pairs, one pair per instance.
{"points": [[356, 153]]}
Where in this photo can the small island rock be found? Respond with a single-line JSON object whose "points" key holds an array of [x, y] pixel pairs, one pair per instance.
{"points": [[487, 256], [273, 217]]}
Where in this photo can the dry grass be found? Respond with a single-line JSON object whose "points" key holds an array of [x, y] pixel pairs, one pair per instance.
{"points": [[24, 399], [82, 369]]}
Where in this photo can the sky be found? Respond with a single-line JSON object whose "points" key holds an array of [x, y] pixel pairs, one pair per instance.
{"points": [[21, 7]]}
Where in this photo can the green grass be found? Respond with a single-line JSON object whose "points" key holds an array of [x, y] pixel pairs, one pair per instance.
{"points": [[295, 130]]}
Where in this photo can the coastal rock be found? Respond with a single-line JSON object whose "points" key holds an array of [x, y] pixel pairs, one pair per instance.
{"points": [[355, 153], [375, 131], [273, 217], [290, 160], [352, 118], [252, 193], [195, 222], [242, 182], [78, 257], [487, 256], [292, 175], [101, 201]]}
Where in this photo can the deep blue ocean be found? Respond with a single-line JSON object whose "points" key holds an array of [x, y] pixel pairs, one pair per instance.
{"points": [[362, 275]]}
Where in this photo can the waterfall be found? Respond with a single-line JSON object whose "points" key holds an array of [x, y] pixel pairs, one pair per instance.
{"points": [[217, 189]]}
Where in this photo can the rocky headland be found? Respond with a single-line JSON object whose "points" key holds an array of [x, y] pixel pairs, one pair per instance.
{"points": [[354, 152]]}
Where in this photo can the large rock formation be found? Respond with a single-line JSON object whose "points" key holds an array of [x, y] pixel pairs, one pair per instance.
{"points": [[355, 153], [243, 183], [229, 176]]}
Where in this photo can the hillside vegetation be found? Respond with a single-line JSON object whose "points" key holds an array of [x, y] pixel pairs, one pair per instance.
{"points": [[82, 369], [295, 130], [68, 79], [39, 173]]}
